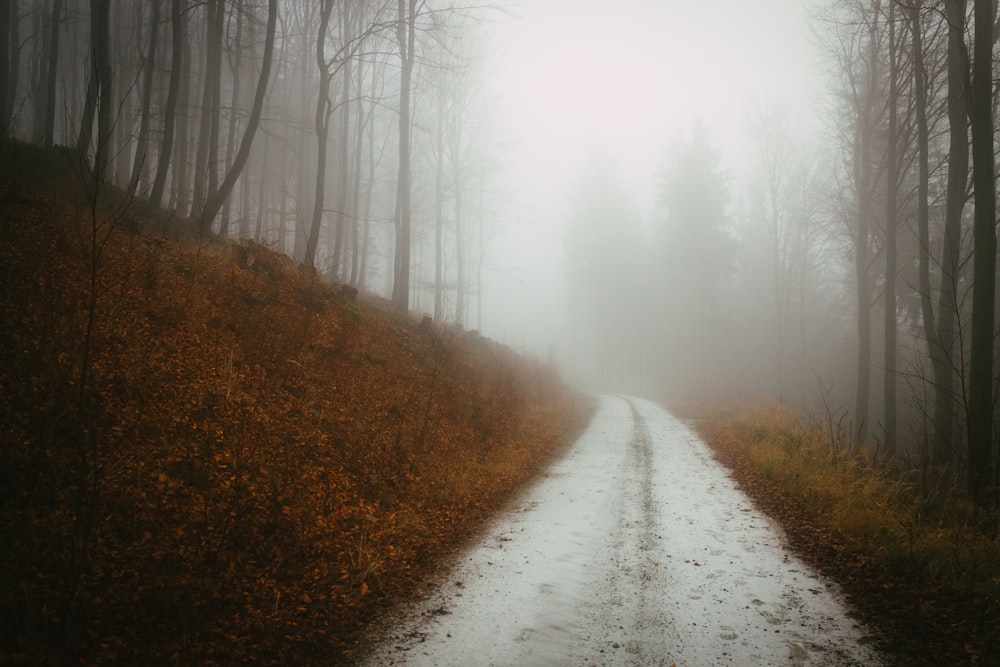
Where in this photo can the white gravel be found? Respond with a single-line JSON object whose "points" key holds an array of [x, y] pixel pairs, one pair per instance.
{"points": [[635, 549]]}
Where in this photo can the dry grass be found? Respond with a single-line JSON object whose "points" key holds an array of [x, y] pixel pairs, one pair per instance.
{"points": [[921, 567], [939, 536]]}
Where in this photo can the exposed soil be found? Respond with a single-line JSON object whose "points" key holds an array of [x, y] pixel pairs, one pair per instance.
{"points": [[920, 622]]}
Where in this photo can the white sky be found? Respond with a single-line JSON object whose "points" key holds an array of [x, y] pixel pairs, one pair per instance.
{"points": [[628, 76]]}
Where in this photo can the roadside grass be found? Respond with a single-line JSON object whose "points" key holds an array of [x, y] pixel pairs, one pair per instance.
{"points": [[882, 525]]}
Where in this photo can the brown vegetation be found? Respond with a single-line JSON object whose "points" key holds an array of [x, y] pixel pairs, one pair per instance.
{"points": [[922, 567], [210, 456]]}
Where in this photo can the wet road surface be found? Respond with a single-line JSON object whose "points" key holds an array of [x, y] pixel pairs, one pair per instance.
{"points": [[635, 549]]}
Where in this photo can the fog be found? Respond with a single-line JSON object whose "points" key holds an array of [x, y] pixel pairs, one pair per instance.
{"points": [[709, 202], [572, 79]]}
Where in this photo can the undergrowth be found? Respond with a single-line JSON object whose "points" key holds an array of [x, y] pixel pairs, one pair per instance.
{"points": [[883, 527], [259, 462]]}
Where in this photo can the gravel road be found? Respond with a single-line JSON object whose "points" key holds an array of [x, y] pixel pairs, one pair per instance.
{"points": [[636, 548]]}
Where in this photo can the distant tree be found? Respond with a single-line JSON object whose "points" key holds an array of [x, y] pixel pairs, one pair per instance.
{"points": [[857, 44], [784, 200], [603, 257], [406, 28], [698, 255], [695, 197]]}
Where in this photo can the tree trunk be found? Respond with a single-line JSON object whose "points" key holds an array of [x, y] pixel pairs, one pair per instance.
{"points": [[891, 223], [86, 133], [923, 208], [369, 185], [439, 211], [219, 196], [234, 103], [323, 111], [48, 133], [180, 191], [862, 258], [5, 50], [359, 145], [958, 176], [98, 100], [208, 126], [170, 112], [406, 36], [106, 105], [337, 269], [14, 62], [460, 258], [126, 70], [142, 144], [984, 256]]}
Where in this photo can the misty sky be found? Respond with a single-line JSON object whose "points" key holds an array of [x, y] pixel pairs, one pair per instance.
{"points": [[628, 78]]}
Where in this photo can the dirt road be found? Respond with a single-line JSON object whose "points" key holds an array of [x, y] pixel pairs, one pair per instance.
{"points": [[635, 549]]}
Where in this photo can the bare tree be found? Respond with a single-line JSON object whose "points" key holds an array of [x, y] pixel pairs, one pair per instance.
{"points": [[406, 28], [980, 417], [219, 196], [142, 142], [5, 53], [170, 111]]}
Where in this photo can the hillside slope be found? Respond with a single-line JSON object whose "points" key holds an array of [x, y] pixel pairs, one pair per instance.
{"points": [[210, 456]]}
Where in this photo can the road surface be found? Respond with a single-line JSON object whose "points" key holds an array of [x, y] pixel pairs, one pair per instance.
{"points": [[636, 548]]}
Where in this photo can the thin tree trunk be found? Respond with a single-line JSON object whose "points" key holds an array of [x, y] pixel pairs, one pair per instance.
{"points": [[142, 144], [106, 106], [439, 212], [342, 181], [359, 144], [180, 191], [170, 112], [923, 208], [219, 196], [958, 176], [98, 100], [14, 62], [864, 190], [259, 231], [234, 103], [5, 50], [891, 224], [48, 135], [86, 134], [984, 255], [208, 128], [369, 187], [406, 36], [460, 259], [322, 119], [127, 71]]}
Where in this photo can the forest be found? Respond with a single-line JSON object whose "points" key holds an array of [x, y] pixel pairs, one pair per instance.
{"points": [[854, 274], [326, 156], [354, 137], [851, 273]]}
